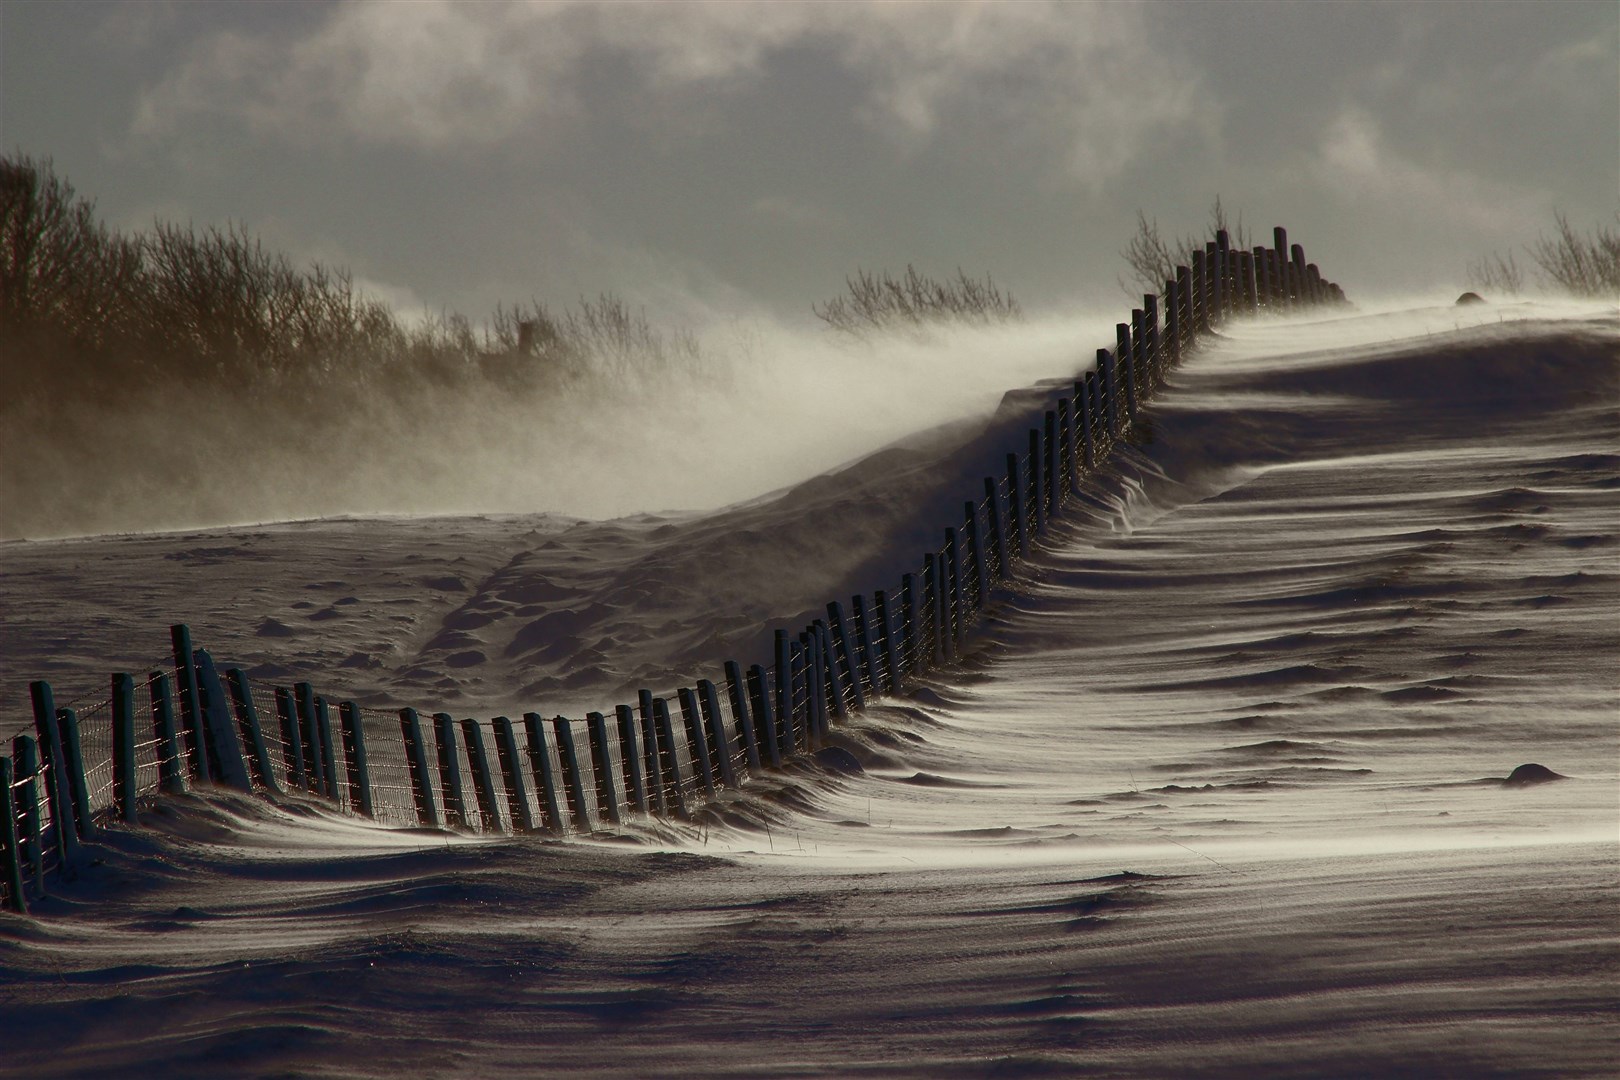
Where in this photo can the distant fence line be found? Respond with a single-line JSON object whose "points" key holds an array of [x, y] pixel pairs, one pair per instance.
{"points": [[82, 769]]}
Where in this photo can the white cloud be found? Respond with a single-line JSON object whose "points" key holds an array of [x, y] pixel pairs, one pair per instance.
{"points": [[447, 77], [1355, 159]]}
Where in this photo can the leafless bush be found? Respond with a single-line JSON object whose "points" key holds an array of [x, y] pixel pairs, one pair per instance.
{"points": [[84, 309], [1152, 260], [880, 301], [67, 285], [1580, 264], [1496, 273]]}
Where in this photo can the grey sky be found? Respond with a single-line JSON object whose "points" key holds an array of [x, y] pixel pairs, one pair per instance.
{"points": [[709, 158]]}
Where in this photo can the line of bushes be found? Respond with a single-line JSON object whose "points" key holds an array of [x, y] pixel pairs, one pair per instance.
{"points": [[1580, 264], [99, 312]]}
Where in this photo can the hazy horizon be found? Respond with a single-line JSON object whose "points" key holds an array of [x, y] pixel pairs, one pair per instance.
{"points": [[711, 161]]}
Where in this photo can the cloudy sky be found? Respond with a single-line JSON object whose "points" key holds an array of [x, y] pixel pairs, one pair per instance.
{"points": [[723, 158]]}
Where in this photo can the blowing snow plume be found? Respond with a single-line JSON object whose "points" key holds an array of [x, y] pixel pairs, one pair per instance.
{"points": [[186, 378]]}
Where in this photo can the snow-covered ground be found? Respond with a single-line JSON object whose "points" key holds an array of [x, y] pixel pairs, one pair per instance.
{"points": [[1216, 789]]}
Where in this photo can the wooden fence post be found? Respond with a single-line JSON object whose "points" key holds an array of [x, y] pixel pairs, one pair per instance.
{"points": [[1037, 498], [455, 796], [975, 552], [517, 792], [1085, 415], [25, 753], [1068, 475], [1049, 464], [10, 850], [171, 762], [547, 790], [1122, 359], [354, 757], [817, 668], [696, 740], [952, 591], [314, 767], [427, 807], [1279, 255], [719, 745], [880, 602], [1108, 384], [1153, 346], [126, 786], [247, 719], [630, 754], [573, 777], [1218, 281], [841, 657], [1015, 497], [292, 750], [798, 693], [219, 721], [672, 761], [832, 701], [737, 692], [872, 681], [57, 800], [1139, 356], [765, 723], [782, 689], [191, 725], [1184, 301], [932, 591], [67, 723], [607, 785], [824, 683], [649, 747], [1200, 292], [323, 726], [908, 627], [997, 535], [1170, 344]]}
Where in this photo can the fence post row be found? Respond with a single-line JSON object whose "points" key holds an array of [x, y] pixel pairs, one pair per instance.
{"points": [[205, 723]]}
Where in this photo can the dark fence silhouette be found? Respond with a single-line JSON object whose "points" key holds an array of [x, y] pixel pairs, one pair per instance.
{"points": [[189, 722]]}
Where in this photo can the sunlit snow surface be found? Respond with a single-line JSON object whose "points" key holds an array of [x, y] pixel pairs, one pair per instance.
{"points": [[1216, 788]]}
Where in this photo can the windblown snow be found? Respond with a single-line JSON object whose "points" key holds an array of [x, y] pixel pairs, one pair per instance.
{"points": [[1217, 788]]}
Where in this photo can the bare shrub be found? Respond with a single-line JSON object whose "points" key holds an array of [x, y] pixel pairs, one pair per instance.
{"points": [[1152, 260], [81, 305], [1581, 264], [1572, 262], [1496, 273], [881, 301]]}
